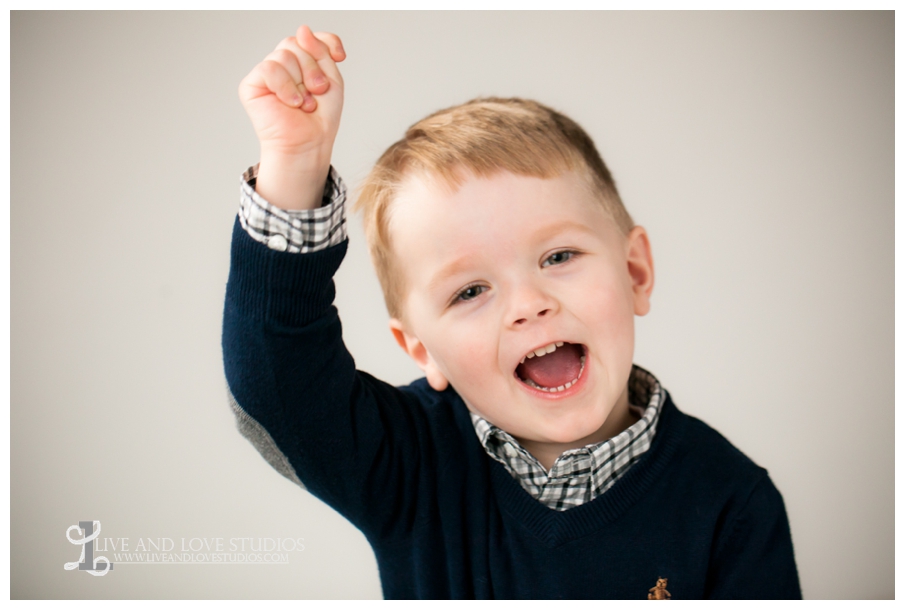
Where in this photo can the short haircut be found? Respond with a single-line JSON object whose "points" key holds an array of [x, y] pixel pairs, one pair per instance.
{"points": [[484, 137]]}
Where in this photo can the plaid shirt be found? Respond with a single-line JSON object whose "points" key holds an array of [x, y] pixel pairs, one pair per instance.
{"points": [[578, 475]]}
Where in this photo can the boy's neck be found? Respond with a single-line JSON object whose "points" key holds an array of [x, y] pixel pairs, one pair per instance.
{"points": [[620, 418]]}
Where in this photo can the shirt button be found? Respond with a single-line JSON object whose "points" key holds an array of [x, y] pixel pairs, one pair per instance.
{"points": [[277, 242]]}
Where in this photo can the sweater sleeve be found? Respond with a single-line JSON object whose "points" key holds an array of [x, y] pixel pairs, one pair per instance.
{"points": [[351, 440], [755, 559]]}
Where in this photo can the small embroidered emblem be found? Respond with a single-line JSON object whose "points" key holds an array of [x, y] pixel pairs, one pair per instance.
{"points": [[659, 592]]}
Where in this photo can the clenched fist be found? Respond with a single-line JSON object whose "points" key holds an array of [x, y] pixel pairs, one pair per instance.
{"points": [[294, 99]]}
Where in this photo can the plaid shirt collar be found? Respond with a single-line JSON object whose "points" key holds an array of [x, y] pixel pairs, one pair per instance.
{"points": [[580, 475]]}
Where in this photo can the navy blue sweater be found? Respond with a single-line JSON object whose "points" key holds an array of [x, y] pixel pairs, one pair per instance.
{"points": [[445, 520]]}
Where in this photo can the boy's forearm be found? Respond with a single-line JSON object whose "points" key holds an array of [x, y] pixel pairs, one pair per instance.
{"points": [[292, 183]]}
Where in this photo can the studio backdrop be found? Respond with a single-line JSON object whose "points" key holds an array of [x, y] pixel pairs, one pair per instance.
{"points": [[757, 148]]}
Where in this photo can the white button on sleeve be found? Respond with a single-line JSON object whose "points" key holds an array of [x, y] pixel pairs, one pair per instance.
{"points": [[277, 242]]}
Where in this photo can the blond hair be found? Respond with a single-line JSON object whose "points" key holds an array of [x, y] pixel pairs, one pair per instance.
{"points": [[483, 136]]}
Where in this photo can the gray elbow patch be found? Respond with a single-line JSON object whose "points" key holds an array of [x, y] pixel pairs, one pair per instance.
{"points": [[262, 441]]}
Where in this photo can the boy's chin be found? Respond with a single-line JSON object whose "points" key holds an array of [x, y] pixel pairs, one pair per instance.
{"points": [[577, 438], [579, 433]]}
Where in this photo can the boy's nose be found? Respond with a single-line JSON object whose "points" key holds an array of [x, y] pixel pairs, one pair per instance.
{"points": [[539, 314], [530, 304]]}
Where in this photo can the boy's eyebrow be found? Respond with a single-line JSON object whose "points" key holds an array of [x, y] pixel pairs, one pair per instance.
{"points": [[544, 233], [457, 266], [549, 231]]}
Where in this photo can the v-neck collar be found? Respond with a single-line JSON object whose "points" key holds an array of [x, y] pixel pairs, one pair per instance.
{"points": [[557, 527]]}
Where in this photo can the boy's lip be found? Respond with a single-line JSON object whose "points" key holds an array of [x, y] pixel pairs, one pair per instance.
{"points": [[554, 395]]}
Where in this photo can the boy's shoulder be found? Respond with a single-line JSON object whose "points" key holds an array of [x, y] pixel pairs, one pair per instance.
{"points": [[441, 408], [421, 389], [705, 462], [710, 444]]}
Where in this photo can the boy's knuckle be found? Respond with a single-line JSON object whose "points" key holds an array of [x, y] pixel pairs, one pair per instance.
{"points": [[285, 55], [315, 46], [270, 69]]}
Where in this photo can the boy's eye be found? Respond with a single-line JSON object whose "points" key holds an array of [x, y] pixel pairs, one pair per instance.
{"points": [[468, 293], [558, 258]]}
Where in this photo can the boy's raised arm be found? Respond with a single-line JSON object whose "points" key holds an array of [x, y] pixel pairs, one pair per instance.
{"points": [[348, 438], [294, 99]]}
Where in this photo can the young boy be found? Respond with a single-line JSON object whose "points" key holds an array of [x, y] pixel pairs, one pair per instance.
{"points": [[534, 460]]}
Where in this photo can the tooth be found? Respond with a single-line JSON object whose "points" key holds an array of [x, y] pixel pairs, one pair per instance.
{"points": [[561, 388], [551, 348], [559, 344], [541, 351], [529, 355], [568, 385], [522, 361]]}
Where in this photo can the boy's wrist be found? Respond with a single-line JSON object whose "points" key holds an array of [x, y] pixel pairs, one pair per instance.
{"points": [[292, 183]]}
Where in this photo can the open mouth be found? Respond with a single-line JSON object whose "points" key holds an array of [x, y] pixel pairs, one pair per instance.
{"points": [[552, 368]]}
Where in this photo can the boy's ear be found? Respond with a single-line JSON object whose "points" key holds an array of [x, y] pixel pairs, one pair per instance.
{"points": [[416, 350], [640, 269]]}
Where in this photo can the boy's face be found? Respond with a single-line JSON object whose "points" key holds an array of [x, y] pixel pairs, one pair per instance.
{"points": [[508, 265]]}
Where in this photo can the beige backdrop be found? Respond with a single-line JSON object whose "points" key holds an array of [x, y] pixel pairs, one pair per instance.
{"points": [[757, 148]]}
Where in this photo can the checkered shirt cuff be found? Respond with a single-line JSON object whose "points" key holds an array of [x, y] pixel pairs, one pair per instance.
{"points": [[297, 231]]}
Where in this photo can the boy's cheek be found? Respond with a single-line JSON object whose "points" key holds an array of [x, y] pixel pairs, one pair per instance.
{"points": [[471, 366], [613, 311], [470, 363]]}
